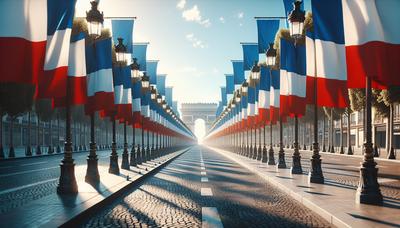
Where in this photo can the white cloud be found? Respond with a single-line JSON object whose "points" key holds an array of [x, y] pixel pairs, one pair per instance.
{"points": [[240, 15], [194, 15], [196, 43], [181, 4], [222, 20]]}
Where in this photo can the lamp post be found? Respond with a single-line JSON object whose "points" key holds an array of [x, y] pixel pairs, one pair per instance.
{"points": [[135, 79], [238, 101], [95, 21], [255, 77], [145, 88], [271, 62], [296, 20], [244, 90], [154, 100]]}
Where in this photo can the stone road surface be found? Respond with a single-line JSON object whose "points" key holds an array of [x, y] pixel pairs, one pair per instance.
{"points": [[176, 195]]}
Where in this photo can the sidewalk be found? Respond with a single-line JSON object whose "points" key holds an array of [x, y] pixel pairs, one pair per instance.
{"points": [[333, 201], [65, 210]]}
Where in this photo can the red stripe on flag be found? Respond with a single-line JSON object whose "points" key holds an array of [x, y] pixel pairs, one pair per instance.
{"points": [[375, 59], [263, 115], [297, 105], [331, 93], [100, 101], [52, 84], [77, 94], [274, 114], [21, 60]]}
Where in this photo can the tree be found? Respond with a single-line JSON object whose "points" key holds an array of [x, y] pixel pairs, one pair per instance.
{"points": [[390, 97], [16, 99], [44, 112]]}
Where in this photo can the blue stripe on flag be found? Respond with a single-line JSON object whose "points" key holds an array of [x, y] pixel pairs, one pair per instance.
{"points": [[328, 20], [139, 52], [59, 15], [238, 72], [266, 33], [250, 54], [123, 29]]}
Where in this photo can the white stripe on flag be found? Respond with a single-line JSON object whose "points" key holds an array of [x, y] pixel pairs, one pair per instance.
{"points": [[57, 49], [100, 81]]}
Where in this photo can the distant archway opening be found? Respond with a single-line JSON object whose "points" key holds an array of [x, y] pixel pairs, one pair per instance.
{"points": [[200, 130]]}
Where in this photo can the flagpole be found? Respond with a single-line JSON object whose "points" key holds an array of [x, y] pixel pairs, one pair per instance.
{"points": [[296, 158]]}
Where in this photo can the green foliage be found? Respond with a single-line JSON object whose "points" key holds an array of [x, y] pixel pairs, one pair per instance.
{"points": [[44, 109], [390, 96], [16, 99]]}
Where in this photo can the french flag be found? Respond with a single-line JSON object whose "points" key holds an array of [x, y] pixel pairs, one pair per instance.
{"points": [[100, 89], [52, 84], [243, 115], [264, 96], [136, 107], [293, 79], [326, 58], [76, 73], [30, 38], [122, 92], [145, 108], [274, 96], [251, 107], [372, 39]]}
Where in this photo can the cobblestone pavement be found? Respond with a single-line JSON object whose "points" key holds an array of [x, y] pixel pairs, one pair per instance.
{"points": [[25, 180], [344, 170], [172, 198]]}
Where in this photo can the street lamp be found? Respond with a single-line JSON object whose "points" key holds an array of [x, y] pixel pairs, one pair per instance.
{"points": [[135, 69], [95, 20], [271, 56], [145, 82], [255, 72], [296, 21], [120, 51]]}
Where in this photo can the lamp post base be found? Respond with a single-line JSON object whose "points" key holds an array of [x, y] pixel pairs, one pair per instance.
{"points": [[67, 183], [264, 155], [132, 161], [315, 175], [259, 153], [368, 191], [125, 157], [392, 154], [281, 159], [92, 172], [28, 151], [138, 156], [271, 158], [114, 169]]}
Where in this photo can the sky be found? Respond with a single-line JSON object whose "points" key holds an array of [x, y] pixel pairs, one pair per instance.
{"points": [[194, 40]]}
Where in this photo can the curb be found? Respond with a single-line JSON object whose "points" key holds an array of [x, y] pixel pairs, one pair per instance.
{"points": [[44, 155], [82, 216], [329, 217]]}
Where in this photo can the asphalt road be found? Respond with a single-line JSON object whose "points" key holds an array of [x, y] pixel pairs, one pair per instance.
{"points": [[203, 187]]}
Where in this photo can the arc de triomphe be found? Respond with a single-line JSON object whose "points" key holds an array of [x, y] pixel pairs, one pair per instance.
{"points": [[193, 111]]}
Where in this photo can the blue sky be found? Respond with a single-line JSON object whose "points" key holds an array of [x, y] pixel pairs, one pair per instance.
{"points": [[193, 39]]}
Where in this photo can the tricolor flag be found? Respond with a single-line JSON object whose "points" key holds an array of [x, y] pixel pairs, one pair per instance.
{"points": [[243, 115], [372, 38], [76, 73], [100, 89], [238, 73], [151, 71], [274, 96], [224, 100], [264, 95], [122, 93], [230, 86], [161, 84], [168, 95], [53, 82], [136, 104], [123, 28], [250, 55], [251, 106], [293, 78], [23, 36], [326, 60], [139, 51]]}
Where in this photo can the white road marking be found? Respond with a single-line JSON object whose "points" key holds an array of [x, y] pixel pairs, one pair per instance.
{"points": [[26, 186], [35, 163], [203, 168], [206, 192], [210, 218], [385, 180], [204, 179], [203, 173]]}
